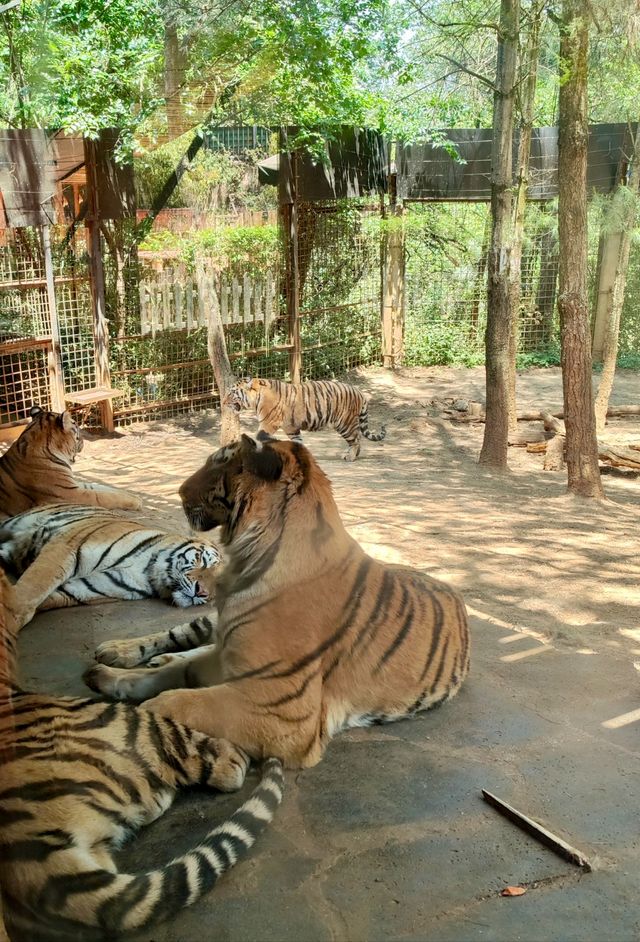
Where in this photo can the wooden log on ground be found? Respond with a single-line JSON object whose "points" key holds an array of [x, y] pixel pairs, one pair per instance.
{"points": [[616, 456]]}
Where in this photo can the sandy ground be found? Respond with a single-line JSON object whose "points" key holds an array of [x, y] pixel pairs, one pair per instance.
{"points": [[523, 552]]}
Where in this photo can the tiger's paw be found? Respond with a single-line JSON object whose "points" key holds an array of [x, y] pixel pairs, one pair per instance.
{"points": [[227, 767], [128, 502], [126, 653], [124, 685]]}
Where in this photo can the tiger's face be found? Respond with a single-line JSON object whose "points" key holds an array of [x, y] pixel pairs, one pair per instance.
{"points": [[243, 394], [56, 431], [230, 479]]}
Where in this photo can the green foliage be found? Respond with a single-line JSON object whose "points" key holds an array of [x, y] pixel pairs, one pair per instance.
{"points": [[235, 249]]}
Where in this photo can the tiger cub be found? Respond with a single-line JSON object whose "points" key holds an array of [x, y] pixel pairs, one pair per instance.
{"points": [[306, 407], [76, 778], [37, 469], [68, 555], [312, 636]]}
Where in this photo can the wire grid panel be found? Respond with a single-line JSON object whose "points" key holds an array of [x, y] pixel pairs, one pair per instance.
{"points": [[25, 315], [447, 248], [340, 286], [23, 380]]}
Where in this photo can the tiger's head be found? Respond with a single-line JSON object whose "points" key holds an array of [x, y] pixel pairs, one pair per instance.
{"points": [[247, 479], [53, 433], [244, 393]]}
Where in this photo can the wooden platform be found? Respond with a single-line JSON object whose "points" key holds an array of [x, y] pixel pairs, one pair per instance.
{"points": [[103, 395]]}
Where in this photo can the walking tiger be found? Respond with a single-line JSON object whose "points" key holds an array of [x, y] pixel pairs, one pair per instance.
{"points": [[76, 778], [71, 555], [37, 469], [306, 406], [312, 635]]}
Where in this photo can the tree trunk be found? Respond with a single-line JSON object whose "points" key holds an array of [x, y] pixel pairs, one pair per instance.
{"points": [[610, 349], [175, 67], [582, 447], [529, 66], [499, 309], [222, 372]]}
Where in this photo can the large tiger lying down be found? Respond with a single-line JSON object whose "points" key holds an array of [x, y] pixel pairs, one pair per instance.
{"points": [[76, 778], [66, 555], [37, 469], [312, 637]]}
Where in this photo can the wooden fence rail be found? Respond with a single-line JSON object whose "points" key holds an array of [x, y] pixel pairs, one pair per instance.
{"points": [[173, 299]]}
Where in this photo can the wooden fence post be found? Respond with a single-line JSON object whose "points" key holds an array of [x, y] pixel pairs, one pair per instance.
{"points": [[393, 293], [56, 377], [608, 254], [96, 272]]}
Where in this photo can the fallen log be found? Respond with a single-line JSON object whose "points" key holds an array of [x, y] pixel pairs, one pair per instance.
{"points": [[617, 456], [612, 413]]}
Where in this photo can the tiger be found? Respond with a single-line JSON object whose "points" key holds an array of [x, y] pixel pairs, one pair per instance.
{"points": [[311, 635], [37, 469], [65, 555], [309, 406], [77, 777]]}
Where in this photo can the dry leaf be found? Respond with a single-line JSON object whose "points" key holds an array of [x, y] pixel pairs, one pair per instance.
{"points": [[513, 891]]}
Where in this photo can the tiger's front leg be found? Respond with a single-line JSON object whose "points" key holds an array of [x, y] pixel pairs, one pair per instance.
{"points": [[102, 495], [136, 686], [235, 712], [131, 652], [53, 566]]}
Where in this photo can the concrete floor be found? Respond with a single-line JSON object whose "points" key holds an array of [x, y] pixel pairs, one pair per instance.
{"points": [[388, 838]]}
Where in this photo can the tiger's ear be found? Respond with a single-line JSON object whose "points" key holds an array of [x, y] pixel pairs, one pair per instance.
{"points": [[65, 420], [34, 411], [260, 460]]}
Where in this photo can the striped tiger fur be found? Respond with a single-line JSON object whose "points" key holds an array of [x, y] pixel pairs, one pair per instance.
{"points": [[306, 407], [37, 469], [312, 636], [76, 778], [69, 555]]}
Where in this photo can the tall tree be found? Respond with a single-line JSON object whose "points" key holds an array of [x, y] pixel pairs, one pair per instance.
{"points": [[623, 214], [500, 314], [581, 442], [527, 94]]}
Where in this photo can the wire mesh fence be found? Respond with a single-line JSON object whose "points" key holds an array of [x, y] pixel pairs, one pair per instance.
{"points": [[30, 332], [340, 286], [447, 247]]}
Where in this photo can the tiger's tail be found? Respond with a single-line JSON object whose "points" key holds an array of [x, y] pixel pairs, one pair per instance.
{"points": [[363, 421], [132, 902]]}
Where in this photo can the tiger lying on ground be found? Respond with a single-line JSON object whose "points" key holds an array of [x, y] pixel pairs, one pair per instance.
{"points": [[312, 636], [306, 407], [66, 555], [76, 778], [37, 469]]}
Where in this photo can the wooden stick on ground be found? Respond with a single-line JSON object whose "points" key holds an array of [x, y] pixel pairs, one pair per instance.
{"points": [[536, 830]]}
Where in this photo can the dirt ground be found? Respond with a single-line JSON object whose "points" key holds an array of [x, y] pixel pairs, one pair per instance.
{"points": [[523, 552]]}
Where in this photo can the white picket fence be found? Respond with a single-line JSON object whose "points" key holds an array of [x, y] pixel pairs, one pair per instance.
{"points": [[173, 299]]}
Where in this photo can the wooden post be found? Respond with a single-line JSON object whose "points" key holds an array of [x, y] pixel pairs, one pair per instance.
{"points": [[393, 293], [96, 273], [290, 219], [56, 378], [608, 256]]}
